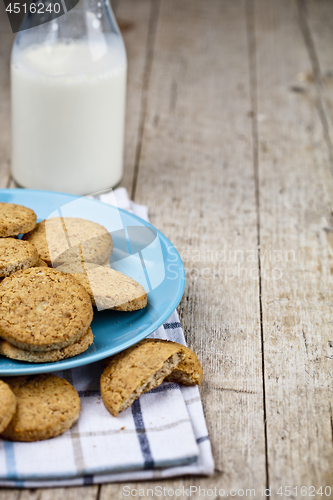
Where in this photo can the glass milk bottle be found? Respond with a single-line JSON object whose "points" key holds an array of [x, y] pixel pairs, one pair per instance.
{"points": [[68, 83]]}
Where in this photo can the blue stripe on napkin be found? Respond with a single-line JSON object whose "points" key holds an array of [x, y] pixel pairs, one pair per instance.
{"points": [[142, 436]]}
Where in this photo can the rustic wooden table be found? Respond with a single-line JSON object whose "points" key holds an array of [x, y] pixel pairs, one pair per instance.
{"points": [[229, 139]]}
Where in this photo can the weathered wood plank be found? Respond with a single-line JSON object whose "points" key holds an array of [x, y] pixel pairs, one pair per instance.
{"points": [[196, 175], [318, 18], [9, 494], [6, 41], [319, 89], [296, 256], [134, 22], [77, 493], [82, 493]]}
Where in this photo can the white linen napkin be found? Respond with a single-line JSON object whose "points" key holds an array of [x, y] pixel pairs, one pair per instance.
{"points": [[163, 434]]}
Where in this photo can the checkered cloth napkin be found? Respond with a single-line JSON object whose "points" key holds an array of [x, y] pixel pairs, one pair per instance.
{"points": [[163, 434]]}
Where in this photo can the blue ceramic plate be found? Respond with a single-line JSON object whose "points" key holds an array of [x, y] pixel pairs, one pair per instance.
{"points": [[140, 251]]}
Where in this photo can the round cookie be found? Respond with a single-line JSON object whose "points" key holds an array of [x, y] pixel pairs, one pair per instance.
{"points": [[7, 405], [47, 406], [60, 240], [42, 309], [107, 288], [16, 219], [12, 352], [137, 370], [16, 255]]}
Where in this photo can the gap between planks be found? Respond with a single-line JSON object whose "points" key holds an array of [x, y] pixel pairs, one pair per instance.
{"points": [[250, 27]]}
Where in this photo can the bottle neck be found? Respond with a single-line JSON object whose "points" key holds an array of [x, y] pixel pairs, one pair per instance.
{"points": [[86, 19], [98, 10]]}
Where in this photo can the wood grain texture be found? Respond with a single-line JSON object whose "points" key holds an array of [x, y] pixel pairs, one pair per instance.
{"points": [[318, 17], [296, 257], [83, 493], [196, 176], [9, 494], [134, 21]]}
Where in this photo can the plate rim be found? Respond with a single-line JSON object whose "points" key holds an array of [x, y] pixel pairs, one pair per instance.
{"points": [[37, 368]]}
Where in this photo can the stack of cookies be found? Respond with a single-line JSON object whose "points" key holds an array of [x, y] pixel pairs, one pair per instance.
{"points": [[16, 254], [44, 316], [51, 279]]}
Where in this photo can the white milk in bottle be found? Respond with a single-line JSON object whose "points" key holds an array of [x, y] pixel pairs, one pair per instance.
{"points": [[68, 109]]}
